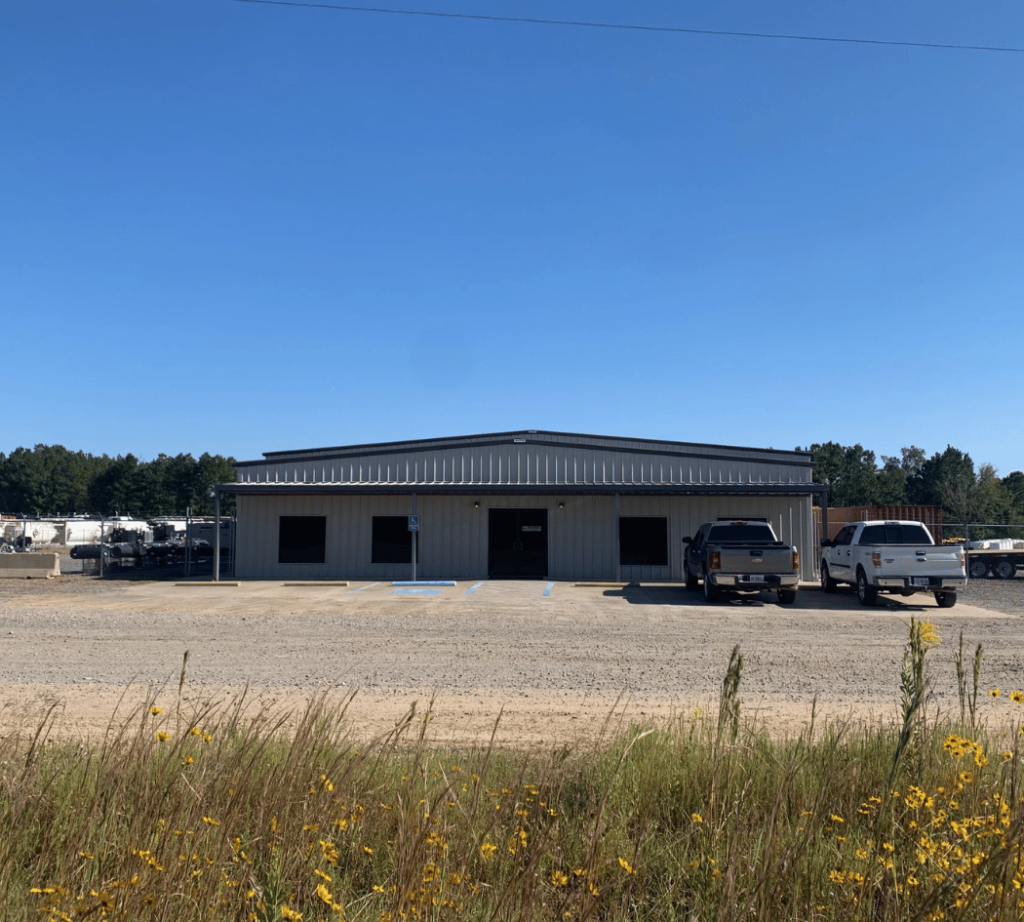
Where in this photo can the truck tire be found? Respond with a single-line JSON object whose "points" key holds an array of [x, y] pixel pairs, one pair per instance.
{"points": [[787, 596], [978, 568], [711, 592], [945, 599], [1004, 569], [867, 594], [691, 580], [827, 583]]}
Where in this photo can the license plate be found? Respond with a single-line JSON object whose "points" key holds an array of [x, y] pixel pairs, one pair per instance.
{"points": [[755, 579], [920, 581]]}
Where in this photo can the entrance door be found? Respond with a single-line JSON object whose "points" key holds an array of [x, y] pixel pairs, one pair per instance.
{"points": [[517, 543]]}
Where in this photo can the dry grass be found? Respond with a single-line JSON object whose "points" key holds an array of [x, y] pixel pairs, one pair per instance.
{"points": [[218, 815]]}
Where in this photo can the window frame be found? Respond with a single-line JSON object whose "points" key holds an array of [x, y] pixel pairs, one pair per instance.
{"points": [[312, 552], [377, 554], [647, 544]]}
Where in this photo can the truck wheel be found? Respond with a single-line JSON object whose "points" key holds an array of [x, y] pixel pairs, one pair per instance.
{"points": [[945, 599], [978, 569], [827, 583], [787, 596], [711, 592], [866, 593], [691, 580], [1004, 569]]}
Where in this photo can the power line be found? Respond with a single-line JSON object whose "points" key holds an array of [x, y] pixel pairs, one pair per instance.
{"points": [[618, 25]]}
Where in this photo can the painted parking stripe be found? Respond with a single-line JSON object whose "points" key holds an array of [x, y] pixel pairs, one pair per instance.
{"points": [[361, 588], [415, 591], [424, 582], [548, 588], [472, 589]]}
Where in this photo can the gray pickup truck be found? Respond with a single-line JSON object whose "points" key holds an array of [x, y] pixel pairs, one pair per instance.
{"points": [[741, 555]]}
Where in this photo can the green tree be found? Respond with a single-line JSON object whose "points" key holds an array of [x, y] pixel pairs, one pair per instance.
{"points": [[118, 488], [947, 479], [1013, 483], [849, 472]]}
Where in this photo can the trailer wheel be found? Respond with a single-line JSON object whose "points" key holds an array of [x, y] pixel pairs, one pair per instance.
{"points": [[945, 599], [978, 569], [1004, 569]]}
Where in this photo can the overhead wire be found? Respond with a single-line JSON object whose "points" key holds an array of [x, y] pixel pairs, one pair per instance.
{"points": [[636, 28]]}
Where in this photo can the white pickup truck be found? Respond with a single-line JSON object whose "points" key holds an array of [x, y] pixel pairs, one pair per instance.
{"points": [[896, 557]]}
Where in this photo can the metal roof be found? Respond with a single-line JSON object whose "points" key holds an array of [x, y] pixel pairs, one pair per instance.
{"points": [[539, 437]]}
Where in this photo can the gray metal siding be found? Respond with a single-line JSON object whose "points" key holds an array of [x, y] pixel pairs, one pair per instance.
{"points": [[454, 535], [526, 465]]}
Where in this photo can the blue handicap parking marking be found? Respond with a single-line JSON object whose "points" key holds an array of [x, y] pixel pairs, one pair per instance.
{"points": [[548, 588], [472, 589], [416, 592]]}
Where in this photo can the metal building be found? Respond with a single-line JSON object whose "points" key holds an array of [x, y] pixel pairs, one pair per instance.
{"points": [[511, 504]]}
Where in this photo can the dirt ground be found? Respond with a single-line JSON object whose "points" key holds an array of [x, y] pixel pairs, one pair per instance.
{"points": [[560, 663]]}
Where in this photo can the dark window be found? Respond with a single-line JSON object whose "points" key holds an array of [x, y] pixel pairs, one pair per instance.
{"points": [[894, 534], [743, 534], [392, 540], [643, 541], [303, 539], [845, 535]]}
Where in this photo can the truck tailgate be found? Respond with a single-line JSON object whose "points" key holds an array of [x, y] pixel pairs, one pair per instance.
{"points": [[927, 560], [756, 560]]}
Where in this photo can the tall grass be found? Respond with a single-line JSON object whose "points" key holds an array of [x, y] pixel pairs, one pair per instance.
{"points": [[216, 815]]}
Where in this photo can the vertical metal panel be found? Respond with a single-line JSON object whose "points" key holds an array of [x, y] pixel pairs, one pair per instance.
{"points": [[528, 464], [581, 536]]}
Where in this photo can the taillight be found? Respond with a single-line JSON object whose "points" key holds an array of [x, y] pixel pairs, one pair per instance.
{"points": [[715, 560], [876, 559], [796, 559]]}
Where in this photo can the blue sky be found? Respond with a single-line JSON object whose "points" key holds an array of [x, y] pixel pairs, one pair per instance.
{"points": [[236, 228]]}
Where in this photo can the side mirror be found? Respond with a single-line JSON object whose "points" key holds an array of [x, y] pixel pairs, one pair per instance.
{"points": [[825, 542], [687, 539]]}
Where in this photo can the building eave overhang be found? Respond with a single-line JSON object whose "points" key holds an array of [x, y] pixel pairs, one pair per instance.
{"points": [[491, 489]]}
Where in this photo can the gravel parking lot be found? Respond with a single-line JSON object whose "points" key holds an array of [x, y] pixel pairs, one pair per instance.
{"points": [[558, 658]]}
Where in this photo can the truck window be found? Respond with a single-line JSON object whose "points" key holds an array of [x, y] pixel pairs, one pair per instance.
{"points": [[743, 533], [894, 534], [845, 536]]}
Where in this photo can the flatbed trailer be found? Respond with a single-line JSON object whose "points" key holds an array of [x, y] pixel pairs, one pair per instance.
{"points": [[994, 561]]}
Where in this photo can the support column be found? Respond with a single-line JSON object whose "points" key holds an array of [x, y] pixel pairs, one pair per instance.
{"points": [[618, 550], [216, 534]]}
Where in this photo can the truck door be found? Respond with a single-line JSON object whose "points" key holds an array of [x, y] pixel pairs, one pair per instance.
{"points": [[840, 555]]}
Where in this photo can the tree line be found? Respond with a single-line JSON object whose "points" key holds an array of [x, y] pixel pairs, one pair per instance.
{"points": [[51, 480], [948, 479]]}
